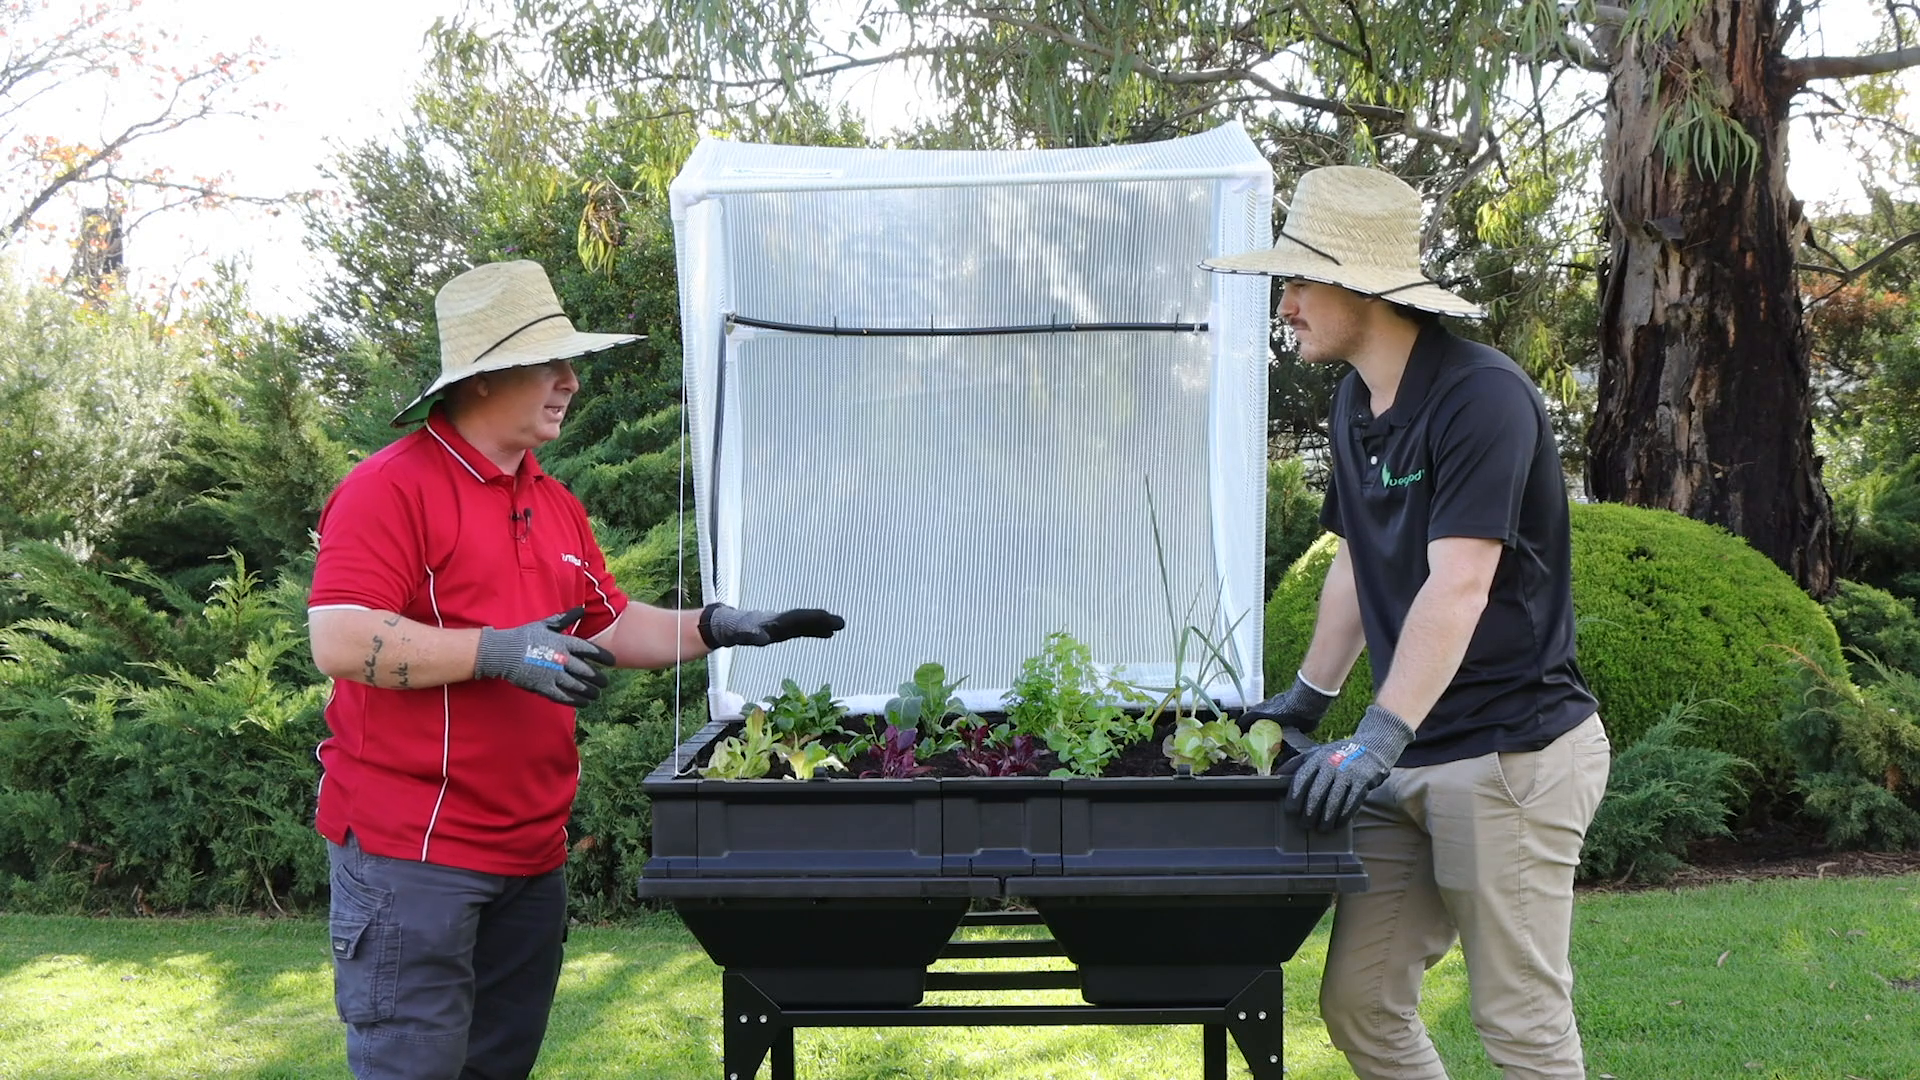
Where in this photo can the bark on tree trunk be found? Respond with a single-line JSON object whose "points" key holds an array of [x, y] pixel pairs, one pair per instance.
{"points": [[1704, 399]]}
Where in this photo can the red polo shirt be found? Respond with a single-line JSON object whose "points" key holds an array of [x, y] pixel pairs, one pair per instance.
{"points": [[479, 774]]}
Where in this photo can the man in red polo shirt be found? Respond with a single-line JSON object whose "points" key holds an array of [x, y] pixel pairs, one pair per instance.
{"points": [[461, 604]]}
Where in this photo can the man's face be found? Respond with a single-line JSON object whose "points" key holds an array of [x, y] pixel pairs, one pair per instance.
{"points": [[525, 405], [1329, 322]]}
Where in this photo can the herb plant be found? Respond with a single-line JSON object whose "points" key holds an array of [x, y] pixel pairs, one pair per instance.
{"points": [[1063, 698]]}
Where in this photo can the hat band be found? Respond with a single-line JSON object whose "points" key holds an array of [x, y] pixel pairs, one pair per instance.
{"points": [[1310, 247], [515, 334], [1404, 288]]}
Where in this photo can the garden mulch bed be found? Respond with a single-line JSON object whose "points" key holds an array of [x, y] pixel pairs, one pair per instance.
{"points": [[1774, 852]]}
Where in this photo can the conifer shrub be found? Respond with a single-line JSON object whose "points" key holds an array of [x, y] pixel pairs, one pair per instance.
{"points": [[1669, 610], [1877, 623]]}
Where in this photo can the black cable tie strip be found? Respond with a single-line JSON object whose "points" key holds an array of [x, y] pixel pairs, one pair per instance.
{"points": [[837, 330], [713, 458]]}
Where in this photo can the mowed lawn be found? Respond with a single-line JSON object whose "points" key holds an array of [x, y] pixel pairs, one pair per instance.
{"points": [[1785, 979]]}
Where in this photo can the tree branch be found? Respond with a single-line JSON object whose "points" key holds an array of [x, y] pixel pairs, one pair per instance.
{"points": [[1848, 275], [1807, 68]]}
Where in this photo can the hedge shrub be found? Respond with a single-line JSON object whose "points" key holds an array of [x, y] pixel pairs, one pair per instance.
{"points": [[1670, 610]]}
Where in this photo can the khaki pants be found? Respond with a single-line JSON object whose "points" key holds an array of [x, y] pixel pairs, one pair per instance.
{"points": [[1485, 849]]}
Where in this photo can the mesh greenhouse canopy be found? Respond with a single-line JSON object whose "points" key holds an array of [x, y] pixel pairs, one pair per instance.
{"points": [[931, 391]]}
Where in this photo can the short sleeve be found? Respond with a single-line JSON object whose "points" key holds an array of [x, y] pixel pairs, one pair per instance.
{"points": [[604, 600], [372, 546], [1485, 436], [1330, 505]]}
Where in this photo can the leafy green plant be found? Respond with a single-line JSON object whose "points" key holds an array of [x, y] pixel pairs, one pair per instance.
{"points": [[807, 757], [1857, 749], [928, 705], [1197, 746], [898, 760], [1661, 794], [1062, 697], [746, 756], [795, 714], [996, 751], [1259, 746]]}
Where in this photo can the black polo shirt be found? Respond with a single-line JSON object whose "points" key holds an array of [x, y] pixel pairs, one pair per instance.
{"points": [[1466, 450]]}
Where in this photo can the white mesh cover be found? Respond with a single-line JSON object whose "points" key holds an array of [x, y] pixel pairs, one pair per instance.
{"points": [[956, 498]]}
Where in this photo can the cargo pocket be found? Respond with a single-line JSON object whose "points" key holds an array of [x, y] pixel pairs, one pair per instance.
{"points": [[366, 950]]}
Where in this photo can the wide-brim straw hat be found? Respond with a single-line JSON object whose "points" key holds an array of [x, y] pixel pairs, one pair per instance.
{"points": [[497, 316], [1358, 229]]}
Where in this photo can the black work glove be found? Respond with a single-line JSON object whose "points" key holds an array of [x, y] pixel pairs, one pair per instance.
{"points": [[1333, 778], [538, 657], [721, 626], [1299, 707]]}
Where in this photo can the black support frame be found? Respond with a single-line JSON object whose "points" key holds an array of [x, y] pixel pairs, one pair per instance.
{"points": [[757, 1029]]}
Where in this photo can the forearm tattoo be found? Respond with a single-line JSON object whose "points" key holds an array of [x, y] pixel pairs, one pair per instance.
{"points": [[372, 657]]}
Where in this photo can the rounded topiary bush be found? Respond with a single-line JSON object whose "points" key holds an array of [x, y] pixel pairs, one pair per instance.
{"points": [[1669, 610]]}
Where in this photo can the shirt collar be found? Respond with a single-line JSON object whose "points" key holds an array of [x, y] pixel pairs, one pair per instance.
{"points": [[442, 431], [1423, 367]]}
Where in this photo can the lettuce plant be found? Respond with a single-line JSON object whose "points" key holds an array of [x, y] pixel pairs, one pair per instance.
{"points": [[1259, 746], [1199, 745], [806, 757], [747, 756]]}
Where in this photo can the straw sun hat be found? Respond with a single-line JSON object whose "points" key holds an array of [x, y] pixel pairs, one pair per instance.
{"points": [[497, 316], [1355, 228]]}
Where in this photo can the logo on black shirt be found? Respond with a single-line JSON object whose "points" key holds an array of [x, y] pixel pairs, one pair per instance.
{"points": [[1387, 478]]}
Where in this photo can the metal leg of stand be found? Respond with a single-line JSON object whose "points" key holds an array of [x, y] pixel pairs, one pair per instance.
{"points": [[1213, 1051], [783, 1054]]}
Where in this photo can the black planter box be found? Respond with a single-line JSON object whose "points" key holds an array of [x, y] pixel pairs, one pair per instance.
{"points": [[1164, 890]]}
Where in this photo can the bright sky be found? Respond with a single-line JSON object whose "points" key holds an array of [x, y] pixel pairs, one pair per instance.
{"points": [[343, 73]]}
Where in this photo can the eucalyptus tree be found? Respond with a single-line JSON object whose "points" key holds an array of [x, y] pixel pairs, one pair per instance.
{"points": [[1703, 387]]}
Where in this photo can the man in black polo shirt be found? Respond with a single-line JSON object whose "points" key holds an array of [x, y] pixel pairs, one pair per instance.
{"points": [[1475, 771]]}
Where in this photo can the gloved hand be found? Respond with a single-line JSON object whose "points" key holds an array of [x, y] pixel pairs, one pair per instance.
{"points": [[540, 658], [1299, 707], [1333, 778], [721, 625]]}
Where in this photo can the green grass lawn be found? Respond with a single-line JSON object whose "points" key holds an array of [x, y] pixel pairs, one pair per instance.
{"points": [[1789, 979]]}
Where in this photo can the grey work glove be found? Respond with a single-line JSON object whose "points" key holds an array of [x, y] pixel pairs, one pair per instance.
{"points": [[1299, 707], [1333, 778], [540, 658], [721, 625]]}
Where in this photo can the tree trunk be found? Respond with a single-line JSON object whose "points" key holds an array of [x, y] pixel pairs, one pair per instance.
{"points": [[1705, 405]]}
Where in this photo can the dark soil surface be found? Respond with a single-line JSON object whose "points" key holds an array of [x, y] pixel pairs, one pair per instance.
{"points": [[1777, 851]]}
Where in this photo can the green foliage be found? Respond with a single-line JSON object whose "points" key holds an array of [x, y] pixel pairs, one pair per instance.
{"points": [[1293, 516], [248, 467], [1857, 750], [1259, 746], [1878, 624], [1197, 746], [928, 705], [86, 399], [1063, 698], [170, 770], [1669, 609], [1885, 508], [1661, 794], [746, 756], [796, 714]]}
